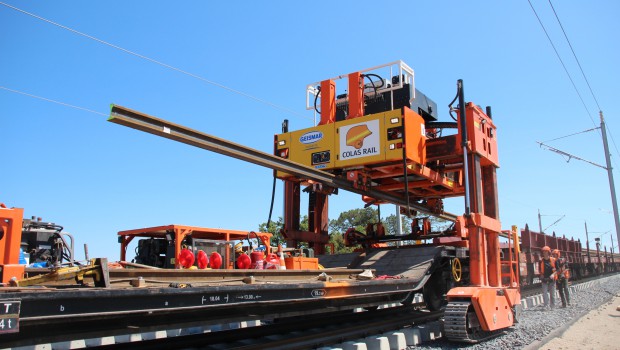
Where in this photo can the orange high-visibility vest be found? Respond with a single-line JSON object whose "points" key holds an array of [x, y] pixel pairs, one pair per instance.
{"points": [[544, 273]]}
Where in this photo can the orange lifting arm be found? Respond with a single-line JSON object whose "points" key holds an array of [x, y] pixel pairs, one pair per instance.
{"points": [[356, 95], [328, 102]]}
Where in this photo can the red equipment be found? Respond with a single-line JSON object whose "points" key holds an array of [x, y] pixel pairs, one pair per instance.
{"points": [[257, 258], [216, 260], [272, 262], [203, 260], [243, 261], [186, 258]]}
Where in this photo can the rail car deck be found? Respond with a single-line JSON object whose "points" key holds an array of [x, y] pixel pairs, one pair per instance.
{"points": [[190, 297], [61, 314]]}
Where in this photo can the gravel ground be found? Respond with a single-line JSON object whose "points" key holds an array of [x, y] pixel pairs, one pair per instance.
{"points": [[535, 323]]}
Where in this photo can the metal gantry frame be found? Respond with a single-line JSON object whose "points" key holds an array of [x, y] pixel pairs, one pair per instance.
{"points": [[326, 89], [399, 66]]}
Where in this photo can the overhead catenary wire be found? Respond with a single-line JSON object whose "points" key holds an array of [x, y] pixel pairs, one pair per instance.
{"points": [[265, 101], [53, 101], [568, 74], [582, 71], [146, 58], [577, 133], [555, 222], [568, 155], [562, 62], [575, 55]]}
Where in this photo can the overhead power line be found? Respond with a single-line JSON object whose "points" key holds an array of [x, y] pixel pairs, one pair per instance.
{"points": [[575, 55], [563, 137], [582, 72], [562, 62], [146, 58], [53, 101], [555, 222], [577, 133]]}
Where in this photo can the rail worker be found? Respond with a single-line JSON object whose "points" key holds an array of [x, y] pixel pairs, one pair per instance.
{"points": [[562, 274], [547, 278]]}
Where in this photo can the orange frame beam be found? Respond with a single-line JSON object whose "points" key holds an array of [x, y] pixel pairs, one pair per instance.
{"points": [[328, 102], [11, 226], [356, 95]]}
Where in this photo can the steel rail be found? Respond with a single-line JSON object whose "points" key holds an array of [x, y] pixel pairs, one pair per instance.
{"points": [[295, 333], [338, 333], [152, 125]]}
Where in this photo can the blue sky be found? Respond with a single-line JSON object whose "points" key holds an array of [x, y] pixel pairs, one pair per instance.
{"points": [[96, 178]]}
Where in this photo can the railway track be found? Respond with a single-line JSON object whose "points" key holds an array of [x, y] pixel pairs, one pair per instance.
{"points": [[296, 333], [304, 331], [311, 331]]}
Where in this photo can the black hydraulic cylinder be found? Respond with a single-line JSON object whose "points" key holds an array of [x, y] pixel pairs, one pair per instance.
{"points": [[464, 140]]}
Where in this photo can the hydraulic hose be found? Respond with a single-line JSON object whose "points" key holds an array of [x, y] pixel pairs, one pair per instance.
{"points": [[316, 97], [273, 195]]}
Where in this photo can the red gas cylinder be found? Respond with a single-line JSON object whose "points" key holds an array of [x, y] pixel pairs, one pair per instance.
{"points": [[272, 262], [243, 262], [186, 258], [216, 260], [257, 260], [203, 259]]}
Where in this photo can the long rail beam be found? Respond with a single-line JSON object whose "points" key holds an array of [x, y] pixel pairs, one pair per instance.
{"points": [[152, 125]]}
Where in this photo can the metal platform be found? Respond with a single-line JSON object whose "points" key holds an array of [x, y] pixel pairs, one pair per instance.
{"points": [[337, 260], [410, 262], [209, 297]]}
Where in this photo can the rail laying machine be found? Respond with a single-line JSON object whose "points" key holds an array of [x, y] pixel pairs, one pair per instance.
{"points": [[383, 134], [379, 136]]}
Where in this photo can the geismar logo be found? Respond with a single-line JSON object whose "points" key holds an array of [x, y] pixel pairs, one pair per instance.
{"points": [[311, 137]]}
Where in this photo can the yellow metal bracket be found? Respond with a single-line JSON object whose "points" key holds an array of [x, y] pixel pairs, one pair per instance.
{"points": [[97, 269]]}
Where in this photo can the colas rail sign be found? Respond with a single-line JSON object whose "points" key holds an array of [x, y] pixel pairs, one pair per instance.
{"points": [[360, 140]]}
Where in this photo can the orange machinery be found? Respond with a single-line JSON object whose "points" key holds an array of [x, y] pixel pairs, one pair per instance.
{"points": [[379, 136], [411, 157], [10, 241], [174, 238]]}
